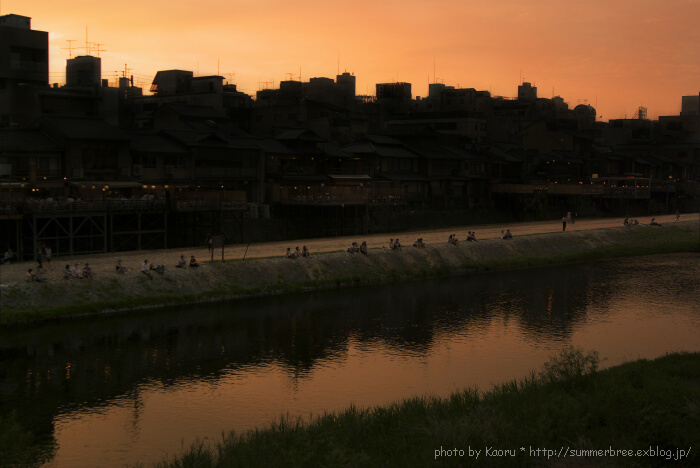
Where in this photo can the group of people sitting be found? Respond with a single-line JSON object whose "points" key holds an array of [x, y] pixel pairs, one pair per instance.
{"points": [[395, 244], [453, 239], [182, 263], [304, 252], [419, 243], [77, 272], [471, 236], [506, 235], [362, 248], [628, 223], [147, 268]]}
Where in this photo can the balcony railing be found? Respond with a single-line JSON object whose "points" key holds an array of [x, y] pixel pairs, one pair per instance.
{"points": [[225, 172], [48, 206], [208, 205], [126, 205], [626, 192]]}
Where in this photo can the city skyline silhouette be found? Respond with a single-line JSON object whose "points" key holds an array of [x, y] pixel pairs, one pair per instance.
{"points": [[615, 57]]}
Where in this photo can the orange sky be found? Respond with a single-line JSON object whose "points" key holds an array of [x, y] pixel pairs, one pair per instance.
{"points": [[615, 55]]}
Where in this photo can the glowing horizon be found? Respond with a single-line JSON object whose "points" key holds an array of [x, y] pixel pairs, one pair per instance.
{"points": [[615, 57]]}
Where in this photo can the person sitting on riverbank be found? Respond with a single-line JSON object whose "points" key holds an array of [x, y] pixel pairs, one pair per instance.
{"points": [[354, 248], [33, 277], [182, 263], [653, 222], [305, 252], [145, 269], [67, 272], [76, 271], [453, 239], [297, 251], [471, 236], [391, 244], [160, 269], [396, 245], [87, 271], [9, 257], [508, 235], [363, 248], [291, 254], [418, 243], [120, 268], [193, 262]]}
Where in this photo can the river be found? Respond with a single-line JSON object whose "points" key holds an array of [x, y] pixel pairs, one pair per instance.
{"points": [[134, 388]]}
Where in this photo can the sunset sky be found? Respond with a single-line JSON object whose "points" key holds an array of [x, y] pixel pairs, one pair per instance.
{"points": [[615, 55]]}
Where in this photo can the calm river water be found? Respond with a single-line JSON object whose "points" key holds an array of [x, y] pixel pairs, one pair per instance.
{"points": [[120, 390]]}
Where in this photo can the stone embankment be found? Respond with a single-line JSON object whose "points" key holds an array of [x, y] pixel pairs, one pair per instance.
{"points": [[111, 292]]}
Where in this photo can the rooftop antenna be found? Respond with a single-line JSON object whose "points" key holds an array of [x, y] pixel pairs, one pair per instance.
{"points": [[87, 44], [97, 45], [69, 48], [229, 76], [217, 67], [434, 75], [266, 83]]}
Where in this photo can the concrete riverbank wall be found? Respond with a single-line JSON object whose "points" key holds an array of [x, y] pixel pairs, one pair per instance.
{"points": [[110, 292]]}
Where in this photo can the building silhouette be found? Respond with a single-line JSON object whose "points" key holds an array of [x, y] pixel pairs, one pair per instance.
{"points": [[197, 156], [24, 61]]}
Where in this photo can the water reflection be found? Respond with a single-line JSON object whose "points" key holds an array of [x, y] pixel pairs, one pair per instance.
{"points": [[137, 374]]}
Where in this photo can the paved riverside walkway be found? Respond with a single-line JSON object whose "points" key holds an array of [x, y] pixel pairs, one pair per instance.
{"points": [[102, 264]]}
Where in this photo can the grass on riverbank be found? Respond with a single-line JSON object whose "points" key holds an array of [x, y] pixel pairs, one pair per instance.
{"points": [[645, 406]]}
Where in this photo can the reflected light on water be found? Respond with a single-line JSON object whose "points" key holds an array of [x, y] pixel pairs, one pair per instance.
{"points": [[137, 388]]}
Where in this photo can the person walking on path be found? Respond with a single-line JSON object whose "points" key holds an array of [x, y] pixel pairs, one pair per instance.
{"points": [[39, 253], [47, 256], [563, 223]]}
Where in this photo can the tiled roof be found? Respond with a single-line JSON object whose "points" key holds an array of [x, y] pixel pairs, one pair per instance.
{"points": [[156, 143], [79, 128], [29, 141]]}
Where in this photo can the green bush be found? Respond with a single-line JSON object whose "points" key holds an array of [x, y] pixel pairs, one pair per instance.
{"points": [[571, 364]]}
